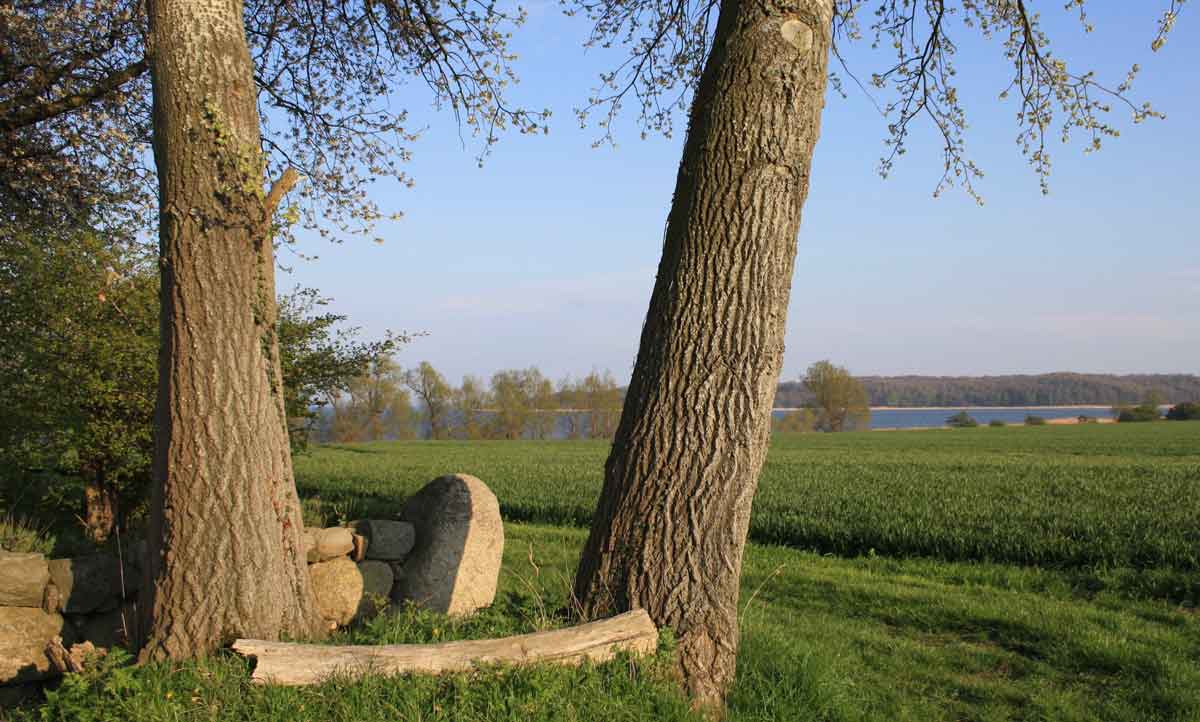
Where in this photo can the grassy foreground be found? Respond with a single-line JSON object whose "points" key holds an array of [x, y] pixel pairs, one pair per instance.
{"points": [[823, 639]]}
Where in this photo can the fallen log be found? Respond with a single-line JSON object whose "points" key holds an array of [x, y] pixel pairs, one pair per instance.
{"points": [[291, 664]]}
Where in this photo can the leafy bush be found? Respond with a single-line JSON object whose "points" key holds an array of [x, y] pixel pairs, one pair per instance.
{"points": [[961, 420], [1031, 420], [997, 423], [1141, 412], [1186, 411]]}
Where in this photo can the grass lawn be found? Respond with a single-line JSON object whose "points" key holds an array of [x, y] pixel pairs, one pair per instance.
{"points": [[824, 638]]}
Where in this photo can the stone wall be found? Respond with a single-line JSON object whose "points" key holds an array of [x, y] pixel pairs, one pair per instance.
{"points": [[443, 552]]}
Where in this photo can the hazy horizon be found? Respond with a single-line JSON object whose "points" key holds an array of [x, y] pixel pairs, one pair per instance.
{"points": [[546, 256]]}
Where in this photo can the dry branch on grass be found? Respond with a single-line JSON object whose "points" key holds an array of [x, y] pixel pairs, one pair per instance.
{"points": [[292, 664]]}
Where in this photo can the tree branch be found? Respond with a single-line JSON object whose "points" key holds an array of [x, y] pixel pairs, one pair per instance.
{"points": [[279, 189], [21, 117]]}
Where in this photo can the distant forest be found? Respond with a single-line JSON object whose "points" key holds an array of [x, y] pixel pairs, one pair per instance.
{"points": [[1057, 389]]}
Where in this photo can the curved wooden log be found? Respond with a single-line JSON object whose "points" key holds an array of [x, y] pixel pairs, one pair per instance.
{"points": [[292, 664]]}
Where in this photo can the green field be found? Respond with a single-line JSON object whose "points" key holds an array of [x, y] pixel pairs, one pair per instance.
{"points": [[1042, 573], [1083, 496]]}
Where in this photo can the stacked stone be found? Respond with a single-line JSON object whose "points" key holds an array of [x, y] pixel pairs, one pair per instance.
{"points": [[89, 598], [443, 552]]}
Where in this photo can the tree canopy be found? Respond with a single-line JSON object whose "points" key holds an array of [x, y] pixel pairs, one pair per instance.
{"points": [[917, 80], [838, 398], [75, 107]]}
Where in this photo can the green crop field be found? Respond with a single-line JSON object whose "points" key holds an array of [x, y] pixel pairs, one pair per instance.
{"points": [[1094, 495]]}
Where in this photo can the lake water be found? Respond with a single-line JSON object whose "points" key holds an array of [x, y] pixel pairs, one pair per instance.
{"points": [[921, 418]]}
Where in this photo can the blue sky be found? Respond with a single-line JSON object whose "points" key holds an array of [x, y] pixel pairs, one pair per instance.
{"points": [[546, 256]]}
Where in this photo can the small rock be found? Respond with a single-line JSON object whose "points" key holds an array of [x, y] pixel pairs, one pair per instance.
{"points": [[337, 541], [24, 632], [387, 540], [339, 589], [455, 564], [91, 583], [397, 570], [23, 579], [360, 548], [377, 587]]}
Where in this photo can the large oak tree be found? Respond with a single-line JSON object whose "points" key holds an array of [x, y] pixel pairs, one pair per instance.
{"points": [[671, 523], [226, 558]]}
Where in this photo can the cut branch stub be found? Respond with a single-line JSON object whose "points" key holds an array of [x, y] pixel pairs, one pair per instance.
{"points": [[291, 664]]}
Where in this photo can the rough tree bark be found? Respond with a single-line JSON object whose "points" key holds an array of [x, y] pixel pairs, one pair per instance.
{"points": [[672, 520], [225, 518]]}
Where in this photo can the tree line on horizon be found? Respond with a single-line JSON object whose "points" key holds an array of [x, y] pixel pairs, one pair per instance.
{"points": [[388, 402], [1053, 389]]}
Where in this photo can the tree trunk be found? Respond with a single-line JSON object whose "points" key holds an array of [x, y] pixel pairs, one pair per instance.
{"points": [[671, 524], [225, 518], [99, 505]]}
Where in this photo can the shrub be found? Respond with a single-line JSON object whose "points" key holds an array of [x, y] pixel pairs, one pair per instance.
{"points": [[1031, 420], [961, 420], [996, 423], [1142, 412], [1186, 411]]}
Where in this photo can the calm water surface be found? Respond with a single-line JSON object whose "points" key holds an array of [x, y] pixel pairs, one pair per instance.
{"points": [[920, 418]]}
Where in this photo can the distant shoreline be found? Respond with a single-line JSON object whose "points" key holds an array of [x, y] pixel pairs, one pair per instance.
{"points": [[960, 408]]}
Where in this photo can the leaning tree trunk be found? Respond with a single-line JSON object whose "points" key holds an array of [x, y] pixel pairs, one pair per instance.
{"points": [[671, 524], [226, 560]]}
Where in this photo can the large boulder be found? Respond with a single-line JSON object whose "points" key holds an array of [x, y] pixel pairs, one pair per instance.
{"points": [[339, 589], [455, 564], [23, 579], [24, 632], [92, 583], [387, 540], [377, 586]]}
